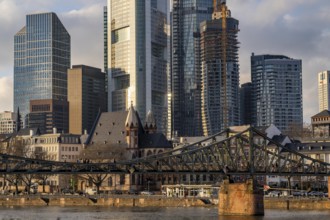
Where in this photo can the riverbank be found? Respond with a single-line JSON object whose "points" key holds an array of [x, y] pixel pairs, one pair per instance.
{"points": [[297, 203], [113, 201], [153, 201]]}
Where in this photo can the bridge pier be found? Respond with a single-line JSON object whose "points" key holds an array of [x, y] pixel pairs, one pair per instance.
{"points": [[329, 187], [240, 199]]}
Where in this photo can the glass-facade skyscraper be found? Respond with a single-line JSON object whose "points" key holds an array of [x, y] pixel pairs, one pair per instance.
{"points": [[277, 91], [138, 57], [186, 18], [41, 60]]}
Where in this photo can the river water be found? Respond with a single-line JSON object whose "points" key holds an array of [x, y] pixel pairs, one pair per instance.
{"points": [[88, 212]]}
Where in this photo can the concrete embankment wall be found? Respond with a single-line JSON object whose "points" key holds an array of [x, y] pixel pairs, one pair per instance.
{"points": [[116, 202], [298, 204]]}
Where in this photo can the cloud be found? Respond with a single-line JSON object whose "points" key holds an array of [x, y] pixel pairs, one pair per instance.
{"points": [[296, 28], [6, 94], [85, 26]]}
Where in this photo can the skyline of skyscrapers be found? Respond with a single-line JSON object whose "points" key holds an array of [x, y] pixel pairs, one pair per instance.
{"points": [[41, 59], [188, 78], [324, 90], [277, 91]]}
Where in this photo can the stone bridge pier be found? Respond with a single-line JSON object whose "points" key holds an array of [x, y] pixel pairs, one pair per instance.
{"points": [[240, 199]]}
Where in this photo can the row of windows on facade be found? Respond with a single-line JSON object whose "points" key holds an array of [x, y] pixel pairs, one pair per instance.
{"points": [[70, 157], [67, 140], [321, 119]]}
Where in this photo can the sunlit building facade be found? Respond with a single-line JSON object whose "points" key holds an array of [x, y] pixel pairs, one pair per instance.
{"points": [[138, 57], [324, 90], [86, 96], [41, 60], [8, 122]]}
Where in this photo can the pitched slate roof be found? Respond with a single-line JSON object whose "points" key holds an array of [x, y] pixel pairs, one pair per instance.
{"points": [[150, 120], [323, 113], [279, 138], [109, 129], [154, 140]]}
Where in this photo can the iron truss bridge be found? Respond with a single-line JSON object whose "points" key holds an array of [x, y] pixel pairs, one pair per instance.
{"points": [[247, 152]]}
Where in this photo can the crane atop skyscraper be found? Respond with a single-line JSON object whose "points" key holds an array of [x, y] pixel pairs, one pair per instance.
{"points": [[220, 11]]}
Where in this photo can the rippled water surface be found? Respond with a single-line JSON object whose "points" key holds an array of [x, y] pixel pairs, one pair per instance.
{"points": [[61, 213]]}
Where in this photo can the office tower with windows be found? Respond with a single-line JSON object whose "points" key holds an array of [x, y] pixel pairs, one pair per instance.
{"points": [[8, 121], [219, 71], [86, 96], [186, 18], [105, 50], [49, 114], [277, 91], [41, 60], [324, 90], [138, 57]]}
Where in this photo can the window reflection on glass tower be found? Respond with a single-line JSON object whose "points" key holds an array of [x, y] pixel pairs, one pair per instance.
{"points": [[277, 91], [41, 60], [138, 57], [186, 18]]}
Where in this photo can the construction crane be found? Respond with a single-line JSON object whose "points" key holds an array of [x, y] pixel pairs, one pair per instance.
{"points": [[220, 11]]}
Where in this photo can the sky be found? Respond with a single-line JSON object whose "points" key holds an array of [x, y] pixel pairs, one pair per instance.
{"points": [[299, 29]]}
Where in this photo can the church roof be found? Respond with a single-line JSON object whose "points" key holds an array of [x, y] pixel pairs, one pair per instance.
{"points": [[150, 119], [154, 140], [132, 118], [109, 129]]}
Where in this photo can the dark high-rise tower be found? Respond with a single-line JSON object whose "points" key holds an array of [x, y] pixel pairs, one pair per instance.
{"points": [[186, 18], [41, 60], [246, 106], [219, 71]]}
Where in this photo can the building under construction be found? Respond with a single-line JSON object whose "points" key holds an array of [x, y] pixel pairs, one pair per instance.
{"points": [[219, 70]]}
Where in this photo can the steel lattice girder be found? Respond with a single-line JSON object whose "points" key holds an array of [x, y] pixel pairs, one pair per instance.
{"points": [[244, 153]]}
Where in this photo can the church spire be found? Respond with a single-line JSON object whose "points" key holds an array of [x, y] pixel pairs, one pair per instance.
{"points": [[150, 123], [132, 119], [18, 120]]}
